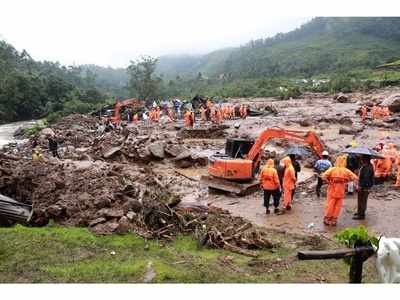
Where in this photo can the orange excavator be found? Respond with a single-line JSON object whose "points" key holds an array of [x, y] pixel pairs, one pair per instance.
{"points": [[115, 118], [235, 171]]}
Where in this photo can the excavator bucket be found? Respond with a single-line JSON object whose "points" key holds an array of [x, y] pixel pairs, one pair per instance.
{"points": [[238, 188]]}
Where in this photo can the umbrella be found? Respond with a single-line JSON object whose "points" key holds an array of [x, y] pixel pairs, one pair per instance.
{"points": [[296, 150], [363, 151]]}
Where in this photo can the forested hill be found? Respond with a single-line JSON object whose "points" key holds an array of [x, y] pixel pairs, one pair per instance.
{"points": [[323, 45]]}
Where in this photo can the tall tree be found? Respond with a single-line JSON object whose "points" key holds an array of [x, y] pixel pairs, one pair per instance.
{"points": [[143, 83]]}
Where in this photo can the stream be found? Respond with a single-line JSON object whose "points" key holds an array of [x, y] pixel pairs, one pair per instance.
{"points": [[7, 131]]}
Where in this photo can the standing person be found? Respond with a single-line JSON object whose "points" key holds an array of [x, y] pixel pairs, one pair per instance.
{"points": [[382, 167], [270, 184], [336, 178], [136, 119], [397, 184], [53, 146], [366, 182], [320, 167], [289, 183], [364, 113]]}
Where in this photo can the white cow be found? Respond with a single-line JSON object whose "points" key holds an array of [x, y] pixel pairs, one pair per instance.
{"points": [[388, 260]]}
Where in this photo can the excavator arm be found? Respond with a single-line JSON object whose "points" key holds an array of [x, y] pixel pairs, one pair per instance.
{"points": [[310, 139], [116, 118]]}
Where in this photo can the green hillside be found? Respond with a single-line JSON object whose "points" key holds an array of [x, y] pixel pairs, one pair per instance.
{"points": [[323, 45]]}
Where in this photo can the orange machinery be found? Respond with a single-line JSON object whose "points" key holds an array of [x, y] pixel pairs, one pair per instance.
{"points": [[116, 116], [237, 175]]}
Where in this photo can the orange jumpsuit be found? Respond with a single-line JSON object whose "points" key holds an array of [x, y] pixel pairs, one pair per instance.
{"points": [[376, 114], [364, 113], [269, 178], [187, 117], [135, 119], [383, 167], [337, 177], [289, 182], [202, 114], [385, 112], [398, 172]]}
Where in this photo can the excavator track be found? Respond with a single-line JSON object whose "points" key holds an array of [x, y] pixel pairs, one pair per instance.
{"points": [[237, 188]]}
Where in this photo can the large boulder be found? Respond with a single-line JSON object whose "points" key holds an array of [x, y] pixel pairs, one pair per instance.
{"points": [[157, 150], [342, 98], [393, 102]]}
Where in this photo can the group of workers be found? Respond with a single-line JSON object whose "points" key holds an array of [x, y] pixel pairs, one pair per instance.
{"points": [[208, 113], [349, 170], [279, 180], [377, 112]]}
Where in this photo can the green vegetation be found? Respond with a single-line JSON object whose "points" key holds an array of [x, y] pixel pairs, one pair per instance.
{"points": [[31, 131], [352, 237], [59, 254]]}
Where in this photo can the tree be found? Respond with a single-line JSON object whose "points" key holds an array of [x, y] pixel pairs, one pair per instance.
{"points": [[143, 83]]}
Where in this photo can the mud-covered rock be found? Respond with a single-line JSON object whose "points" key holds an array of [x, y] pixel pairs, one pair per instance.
{"points": [[392, 102]]}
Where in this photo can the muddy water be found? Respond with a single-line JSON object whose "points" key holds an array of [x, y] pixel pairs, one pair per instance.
{"points": [[7, 131]]}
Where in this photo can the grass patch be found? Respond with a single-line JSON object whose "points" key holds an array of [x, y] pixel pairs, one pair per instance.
{"points": [[61, 254]]}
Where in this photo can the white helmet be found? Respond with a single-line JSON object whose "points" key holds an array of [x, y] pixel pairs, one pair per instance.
{"points": [[325, 153]]}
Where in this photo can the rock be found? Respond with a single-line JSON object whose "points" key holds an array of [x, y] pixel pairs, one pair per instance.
{"points": [[47, 132], [175, 150], [305, 122], [55, 211], [350, 130], [19, 132], [111, 212], [157, 150], [108, 153], [134, 205], [97, 221], [102, 202], [131, 215], [341, 98], [123, 225], [393, 102], [105, 228]]}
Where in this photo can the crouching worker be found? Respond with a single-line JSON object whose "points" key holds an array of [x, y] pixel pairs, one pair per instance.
{"points": [[270, 184], [336, 177]]}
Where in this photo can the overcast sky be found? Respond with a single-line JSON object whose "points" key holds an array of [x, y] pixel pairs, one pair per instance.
{"points": [[112, 32]]}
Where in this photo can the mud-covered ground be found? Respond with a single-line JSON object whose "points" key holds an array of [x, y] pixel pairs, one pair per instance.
{"points": [[117, 173]]}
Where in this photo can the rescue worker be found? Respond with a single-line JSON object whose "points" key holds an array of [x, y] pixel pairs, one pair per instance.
{"points": [[289, 183], [382, 167], [136, 119], [385, 111], [376, 112], [53, 146], [171, 116], [187, 117], [366, 182], [270, 184], [397, 184], [320, 167], [364, 113], [336, 177], [203, 116]]}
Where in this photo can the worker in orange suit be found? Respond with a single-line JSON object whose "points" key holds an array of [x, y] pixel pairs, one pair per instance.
{"points": [[383, 167], [187, 117], [364, 112], [376, 112], [289, 182], [397, 184], [270, 184], [336, 177], [385, 111], [157, 113], [171, 116], [203, 116], [135, 119], [244, 111], [218, 115]]}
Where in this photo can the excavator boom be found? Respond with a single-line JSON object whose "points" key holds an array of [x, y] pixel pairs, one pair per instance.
{"points": [[116, 118]]}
